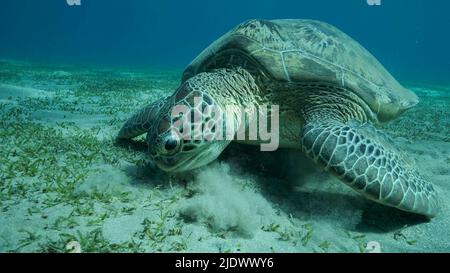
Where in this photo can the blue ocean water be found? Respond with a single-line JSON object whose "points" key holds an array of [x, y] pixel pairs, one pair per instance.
{"points": [[410, 37], [72, 75]]}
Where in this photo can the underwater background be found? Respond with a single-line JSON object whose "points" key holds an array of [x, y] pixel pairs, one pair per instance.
{"points": [[70, 76], [410, 37]]}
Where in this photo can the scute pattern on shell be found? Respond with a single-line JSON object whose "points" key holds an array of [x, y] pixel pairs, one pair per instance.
{"points": [[295, 50]]}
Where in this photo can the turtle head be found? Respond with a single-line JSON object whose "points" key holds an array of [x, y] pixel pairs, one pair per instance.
{"points": [[184, 135]]}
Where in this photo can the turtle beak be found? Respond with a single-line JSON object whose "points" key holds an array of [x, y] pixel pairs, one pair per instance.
{"points": [[167, 164]]}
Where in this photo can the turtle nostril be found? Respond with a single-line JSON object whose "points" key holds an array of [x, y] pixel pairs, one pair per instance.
{"points": [[170, 144]]}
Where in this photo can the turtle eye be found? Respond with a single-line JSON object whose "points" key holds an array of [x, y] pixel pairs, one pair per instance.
{"points": [[171, 144]]}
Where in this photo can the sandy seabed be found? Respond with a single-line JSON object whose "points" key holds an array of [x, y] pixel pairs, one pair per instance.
{"points": [[63, 178]]}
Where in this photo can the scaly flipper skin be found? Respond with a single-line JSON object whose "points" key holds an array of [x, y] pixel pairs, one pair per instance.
{"points": [[141, 122], [365, 160]]}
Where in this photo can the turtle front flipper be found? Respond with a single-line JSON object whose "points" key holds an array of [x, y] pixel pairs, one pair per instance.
{"points": [[140, 122], [364, 158]]}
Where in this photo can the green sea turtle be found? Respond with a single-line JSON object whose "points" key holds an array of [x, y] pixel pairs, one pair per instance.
{"points": [[328, 88]]}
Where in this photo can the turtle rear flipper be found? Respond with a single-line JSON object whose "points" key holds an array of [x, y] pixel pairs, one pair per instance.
{"points": [[140, 122], [365, 160]]}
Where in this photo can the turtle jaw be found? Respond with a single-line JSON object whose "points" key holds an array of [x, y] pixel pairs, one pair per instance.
{"points": [[168, 166], [186, 161]]}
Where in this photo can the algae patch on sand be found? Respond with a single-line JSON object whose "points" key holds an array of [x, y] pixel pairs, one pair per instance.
{"points": [[63, 178]]}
